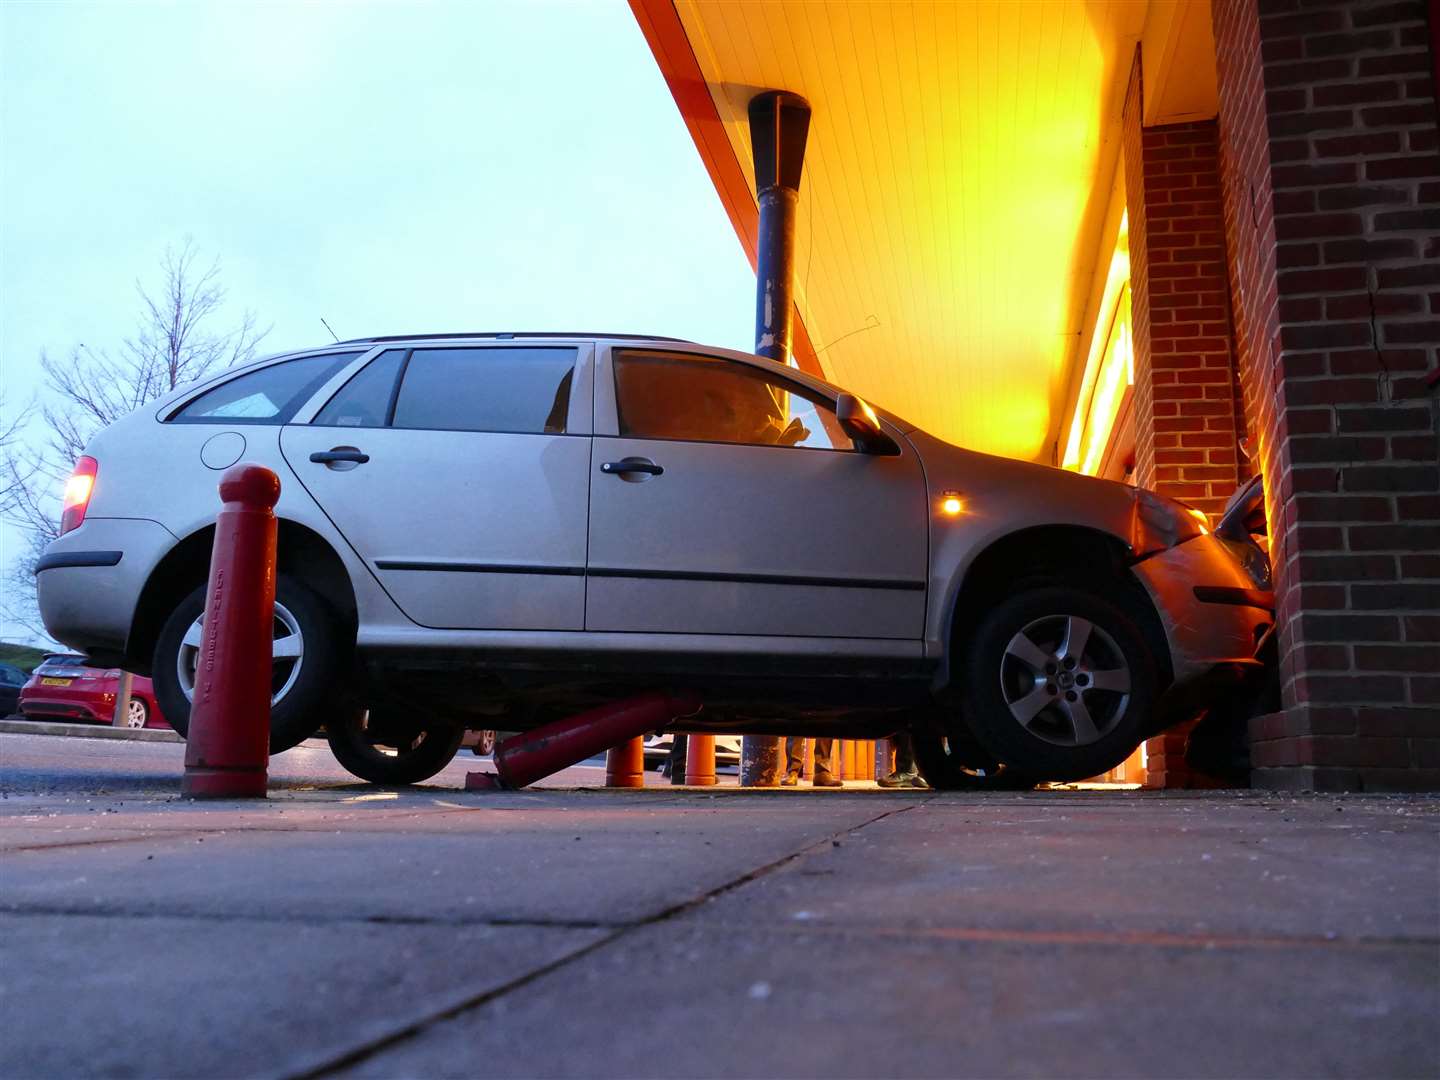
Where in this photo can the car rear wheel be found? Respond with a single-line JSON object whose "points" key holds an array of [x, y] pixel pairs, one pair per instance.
{"points": [[305, 673], [957, 764], [393, 750], [137, 713], [1057, 683], [484, 744]]}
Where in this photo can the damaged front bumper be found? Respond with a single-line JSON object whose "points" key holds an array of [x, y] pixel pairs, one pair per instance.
{"points": [[1214, 614]]}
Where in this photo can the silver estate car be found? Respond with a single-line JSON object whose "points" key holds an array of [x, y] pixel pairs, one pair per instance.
{"points": [[484, 531]]}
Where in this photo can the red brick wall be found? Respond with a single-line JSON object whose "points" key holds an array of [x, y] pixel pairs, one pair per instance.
{"points": [[1189, 365], [1331, 190]]}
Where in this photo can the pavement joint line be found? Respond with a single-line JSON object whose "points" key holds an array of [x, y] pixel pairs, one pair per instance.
{"points": [[308, 918], [962, 935], [415, 1028], [65, 845], [1201, 942]]}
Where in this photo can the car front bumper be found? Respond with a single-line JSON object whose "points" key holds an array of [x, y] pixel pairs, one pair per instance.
{"points": [[1213, 614]]}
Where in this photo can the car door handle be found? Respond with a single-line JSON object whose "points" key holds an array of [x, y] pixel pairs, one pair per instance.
{"points": [[631, 465], [325, 457]]}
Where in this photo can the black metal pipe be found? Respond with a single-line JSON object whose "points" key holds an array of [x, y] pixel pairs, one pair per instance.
{"points": [[779, 124]]}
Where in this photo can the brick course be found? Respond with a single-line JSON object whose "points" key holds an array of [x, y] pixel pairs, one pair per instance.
{"points": [[1327, 137]]}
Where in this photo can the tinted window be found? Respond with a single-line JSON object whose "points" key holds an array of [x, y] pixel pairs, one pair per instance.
{"points": [[10, 676], [521, 390], [674, 396], [364, 401], [268, 396]]}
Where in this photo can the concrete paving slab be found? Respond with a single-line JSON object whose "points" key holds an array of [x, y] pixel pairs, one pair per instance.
{"points": [[686, 999], [167, 997], [589, 864], [1351, 868]]}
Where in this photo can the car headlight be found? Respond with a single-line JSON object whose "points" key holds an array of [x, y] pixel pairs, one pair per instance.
{"points": [[1158, 523]]}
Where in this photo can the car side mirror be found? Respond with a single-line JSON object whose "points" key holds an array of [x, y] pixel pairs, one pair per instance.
{"points": [[858, 420]]}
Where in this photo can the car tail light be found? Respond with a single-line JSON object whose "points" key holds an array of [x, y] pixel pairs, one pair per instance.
{"points": [[78, 490]]}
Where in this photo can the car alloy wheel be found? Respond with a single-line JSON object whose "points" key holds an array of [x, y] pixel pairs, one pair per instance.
{"points": [[312, 682], [1056, 682], [136, 713], [1065, 680], [288, 654]]}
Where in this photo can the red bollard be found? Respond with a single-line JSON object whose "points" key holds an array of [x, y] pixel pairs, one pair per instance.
{"points": [[700, 761], [625, 764], [523, 759], [227, 750]]}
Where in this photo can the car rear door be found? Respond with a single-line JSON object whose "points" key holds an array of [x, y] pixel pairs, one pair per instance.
{"points": [[725, 499], [460, 474]]}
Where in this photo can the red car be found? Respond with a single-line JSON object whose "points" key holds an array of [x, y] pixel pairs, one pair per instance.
{"points": [[64, 688]]}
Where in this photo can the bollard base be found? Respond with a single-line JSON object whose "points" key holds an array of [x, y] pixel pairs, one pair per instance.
{"points": [[223, 784], [484, 781]]}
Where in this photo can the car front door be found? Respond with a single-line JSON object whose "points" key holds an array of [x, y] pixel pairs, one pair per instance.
{"points": [[460, 474], [726, 499]]}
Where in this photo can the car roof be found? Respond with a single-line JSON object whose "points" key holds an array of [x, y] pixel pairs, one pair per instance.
{"points": [[513, 335]]}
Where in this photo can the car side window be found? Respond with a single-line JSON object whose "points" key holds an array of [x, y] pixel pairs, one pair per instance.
{"points": [[271, 395], [520, 390], [366, 399], [708, 399]]}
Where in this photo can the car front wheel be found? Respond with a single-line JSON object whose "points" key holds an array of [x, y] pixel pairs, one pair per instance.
{"points": [[305, 671], [393, 750], [1057, 683]]}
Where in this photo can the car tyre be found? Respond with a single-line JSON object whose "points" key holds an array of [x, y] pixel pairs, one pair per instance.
{"points": [[956, 764], [392, 752], [1058, 683], [310, 692], [484, 745]]}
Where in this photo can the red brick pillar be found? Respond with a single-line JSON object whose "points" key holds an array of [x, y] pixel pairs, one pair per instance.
{"points": [[1186, 429], [1331, 187], [1186, 443]]}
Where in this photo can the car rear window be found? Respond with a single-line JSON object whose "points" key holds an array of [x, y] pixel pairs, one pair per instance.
{"points": [[268, 396], [522, 390]]}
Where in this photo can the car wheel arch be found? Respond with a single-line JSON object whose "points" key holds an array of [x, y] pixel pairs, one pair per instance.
{"points": [[1051, 554], [301, 552]]}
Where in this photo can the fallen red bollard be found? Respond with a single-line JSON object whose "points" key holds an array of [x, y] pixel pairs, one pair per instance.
{"points": [[532, 755], [227, 749]]}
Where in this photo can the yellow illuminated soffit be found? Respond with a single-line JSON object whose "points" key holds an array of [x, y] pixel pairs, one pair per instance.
{"points": [[1109, 369], [946, 231]]}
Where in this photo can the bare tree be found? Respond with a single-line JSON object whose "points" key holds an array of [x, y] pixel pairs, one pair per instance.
{"points": [[9, 437], [177, 340]]}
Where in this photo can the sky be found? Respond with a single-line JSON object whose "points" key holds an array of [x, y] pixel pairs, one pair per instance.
{"points": [[389, 167]]}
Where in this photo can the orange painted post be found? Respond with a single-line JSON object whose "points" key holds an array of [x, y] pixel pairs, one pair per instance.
{"points": [[227, 750], [700, 761], [625, 763]]}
